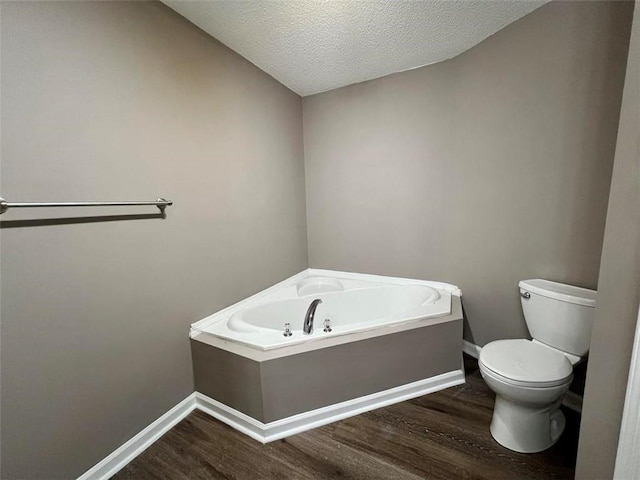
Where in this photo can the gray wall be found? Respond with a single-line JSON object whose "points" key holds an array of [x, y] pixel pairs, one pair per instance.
{"points": [[618, 290], [115, 101], [481, 171]]}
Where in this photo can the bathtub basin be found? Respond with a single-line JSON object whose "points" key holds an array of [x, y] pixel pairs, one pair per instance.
{"points": [[351, 303]]}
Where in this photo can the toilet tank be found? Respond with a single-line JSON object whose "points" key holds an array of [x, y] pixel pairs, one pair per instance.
{"points": [[558, 315]]}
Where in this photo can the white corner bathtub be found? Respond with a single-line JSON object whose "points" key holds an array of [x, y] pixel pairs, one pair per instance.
{"points": [[391, 339], [351, 302]]}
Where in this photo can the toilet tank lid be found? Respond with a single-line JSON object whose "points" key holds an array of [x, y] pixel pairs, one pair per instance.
{"points": [[560, 291]]}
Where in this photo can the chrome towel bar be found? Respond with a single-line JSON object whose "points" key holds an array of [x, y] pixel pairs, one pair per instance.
{"points": [[161, 203]]}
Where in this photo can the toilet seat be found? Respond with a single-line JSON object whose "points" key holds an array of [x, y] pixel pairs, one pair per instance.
{"points": [[487, 372], [524, 363]]}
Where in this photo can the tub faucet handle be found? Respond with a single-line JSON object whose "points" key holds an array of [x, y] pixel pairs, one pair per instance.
{"points": [[327, 325], [287, 330]]}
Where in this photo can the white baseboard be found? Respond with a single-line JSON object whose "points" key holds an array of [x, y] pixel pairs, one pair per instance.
{"points": [[268, 432], [572, 401], [264, 432], [471, 349], [120, 457]]}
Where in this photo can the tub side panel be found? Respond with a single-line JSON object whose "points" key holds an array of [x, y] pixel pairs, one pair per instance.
{"points": [[228, 378], [303, 382]]}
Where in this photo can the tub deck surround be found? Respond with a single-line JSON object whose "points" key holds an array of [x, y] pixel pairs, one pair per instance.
{"points": [[276, 392]]}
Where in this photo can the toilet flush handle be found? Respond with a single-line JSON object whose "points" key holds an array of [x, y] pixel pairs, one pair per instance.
{"points": [[526, 295]]}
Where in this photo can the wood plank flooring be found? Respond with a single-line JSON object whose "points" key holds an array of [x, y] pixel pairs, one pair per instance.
{"points": [[444, 435]]}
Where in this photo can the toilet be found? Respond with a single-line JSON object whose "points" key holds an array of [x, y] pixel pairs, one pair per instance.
{"points": [[530, 377]]}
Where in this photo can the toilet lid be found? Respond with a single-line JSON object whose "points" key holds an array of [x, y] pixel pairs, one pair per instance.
{"points": [[525, 361]]}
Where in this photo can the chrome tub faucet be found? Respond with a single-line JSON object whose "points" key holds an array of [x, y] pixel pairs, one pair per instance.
{"points": [[307, 328]]}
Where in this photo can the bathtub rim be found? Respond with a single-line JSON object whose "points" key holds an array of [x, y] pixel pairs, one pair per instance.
{"points": [[265, 355], [198, 327]]}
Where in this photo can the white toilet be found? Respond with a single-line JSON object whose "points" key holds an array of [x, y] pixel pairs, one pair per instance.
{"points": [[530, 377]]}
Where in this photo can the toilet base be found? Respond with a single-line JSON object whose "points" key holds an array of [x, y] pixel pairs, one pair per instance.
{"points": [[526, 429]]}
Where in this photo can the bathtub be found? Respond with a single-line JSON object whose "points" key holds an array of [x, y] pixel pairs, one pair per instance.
{"points": [[351, 303], [391, 339]]}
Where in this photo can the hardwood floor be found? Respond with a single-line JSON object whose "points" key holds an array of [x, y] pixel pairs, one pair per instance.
{"points": [[444, 435]]}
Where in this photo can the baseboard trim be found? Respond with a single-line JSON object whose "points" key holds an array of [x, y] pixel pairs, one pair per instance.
{"points": [[471, 349], [264, 432], [572, 401], [120, 457], [268, 432]]}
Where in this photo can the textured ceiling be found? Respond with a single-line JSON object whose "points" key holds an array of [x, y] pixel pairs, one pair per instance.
{"points": [[312, 46]]}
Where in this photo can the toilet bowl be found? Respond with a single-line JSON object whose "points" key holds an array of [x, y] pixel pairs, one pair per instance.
{"points": [[529, 381], [530, 377]]}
